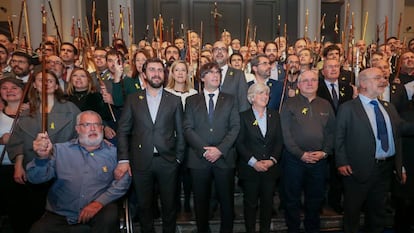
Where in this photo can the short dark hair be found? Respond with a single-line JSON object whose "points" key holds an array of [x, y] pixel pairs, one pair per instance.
{"points": [[171, 46], [207, 67], [331, 47], [25, 55], [236, 54], [75, 50], [5, 49], [151, 60], [269, 43]]}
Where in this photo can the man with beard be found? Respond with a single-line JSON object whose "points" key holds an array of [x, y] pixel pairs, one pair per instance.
{"points": [[271, 51], [233, 81], [261, 69], [171, 54], [22, 66], [291, 82], [151, 145], [82, 197]]}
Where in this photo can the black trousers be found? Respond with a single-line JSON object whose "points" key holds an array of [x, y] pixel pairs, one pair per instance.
{"points": [[105, 221], [255, 192], [224, 183], [163, 173], [371, 194]]}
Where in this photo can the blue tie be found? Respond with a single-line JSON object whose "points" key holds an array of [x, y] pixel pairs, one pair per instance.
{"points": [[335, 99], [211, 108], [382, 133]]}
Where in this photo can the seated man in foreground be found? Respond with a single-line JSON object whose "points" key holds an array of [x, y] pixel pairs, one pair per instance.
{"points": [[82, 197]]}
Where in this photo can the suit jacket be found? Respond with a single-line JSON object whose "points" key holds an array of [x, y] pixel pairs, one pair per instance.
{"points": [[399, 97], [235, 84], [355, 141], [276, 88], [138, 135], [251, 143], [345, 92], [221, 133]]}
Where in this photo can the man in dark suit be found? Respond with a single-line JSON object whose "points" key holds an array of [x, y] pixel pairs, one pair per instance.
{"points": [[368, 147], [336, 92], [394, 92], [211, 126], [233, 81], [261, 69], [151, 144]]}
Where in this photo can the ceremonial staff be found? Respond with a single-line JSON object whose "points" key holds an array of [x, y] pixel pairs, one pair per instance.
{"points": [[26, 17], [88, 33], [278, 31], [10, 22], [399, 26], [386, 30], [172, 30], [131, 39], [19, 26], [306, 23], [44, 75], [111, 17], [365, 26], [72, 30], [93, 23], [54, 21], [121, 23], [99, 33], [246, 39], [216, 15]]}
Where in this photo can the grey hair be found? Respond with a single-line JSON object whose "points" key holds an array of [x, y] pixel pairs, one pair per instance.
{"points": [[255, 89], [78, 117]]}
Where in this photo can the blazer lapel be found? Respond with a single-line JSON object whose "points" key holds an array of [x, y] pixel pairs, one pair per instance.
{"points": [[143, 105], [256, 128], [363, 115]]}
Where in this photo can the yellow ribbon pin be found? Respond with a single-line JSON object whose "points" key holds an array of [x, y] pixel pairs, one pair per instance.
{"points": [[52, 125], [255, 123], [141, 97], [305, 111], [105, 169], [136, 85]]}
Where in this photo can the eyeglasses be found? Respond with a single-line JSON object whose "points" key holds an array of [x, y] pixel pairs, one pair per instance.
{"points": [[54, 63], [20, 62], [314, 80], [89, 124], [263, 63], [220, 49], [98, 56]]}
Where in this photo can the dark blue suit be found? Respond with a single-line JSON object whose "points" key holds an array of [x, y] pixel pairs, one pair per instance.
{"points": [[276, 88]]}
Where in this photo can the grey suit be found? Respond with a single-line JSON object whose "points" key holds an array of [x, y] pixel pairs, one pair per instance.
{"points": [[235, 84], [137, 137], [221, 133]]}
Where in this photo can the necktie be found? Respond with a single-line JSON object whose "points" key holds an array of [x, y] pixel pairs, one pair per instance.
{"points": [[335, 99], [211, 108], [382, 133]]}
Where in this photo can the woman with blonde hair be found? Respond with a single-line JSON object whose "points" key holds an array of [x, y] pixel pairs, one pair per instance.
{"points": [[179, 82]]}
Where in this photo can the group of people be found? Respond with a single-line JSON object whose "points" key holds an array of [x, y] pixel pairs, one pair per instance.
{"points": [[294, 120]]}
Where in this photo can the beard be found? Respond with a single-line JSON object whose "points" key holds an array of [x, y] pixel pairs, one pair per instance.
{"points": [[153, 84], [86, 141]]}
